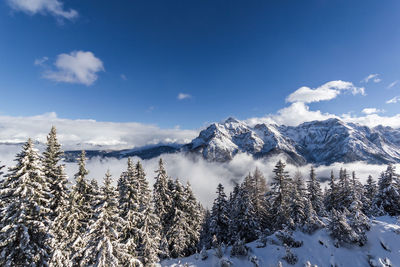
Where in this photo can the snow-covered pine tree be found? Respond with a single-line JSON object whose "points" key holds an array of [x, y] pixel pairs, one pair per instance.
{"points": [[54, 173], [178, 232], [315, 193], [388, 197], [148, 225], [370, 190], [163, 204], [129, 207], [4, 191], [81, 209], [340, 228], [60, 203], [312, 221], [103, 246], [297, 201], [219, 219], [345, 195], [243, 220], [24, 236], [257, 187], [205, 232], [280, 196], [81, 192], [193, 212], [331, 195], [357, 189], [358, 221]]}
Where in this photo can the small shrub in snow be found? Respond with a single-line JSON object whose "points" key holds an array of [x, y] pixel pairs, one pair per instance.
{"points": [[239, 248], [287, 239], [253, 259], [290, 257], [261, 241], [224, 262]]}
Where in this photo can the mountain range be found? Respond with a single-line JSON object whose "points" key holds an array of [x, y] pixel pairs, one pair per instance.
{"points": [[317, 142]]}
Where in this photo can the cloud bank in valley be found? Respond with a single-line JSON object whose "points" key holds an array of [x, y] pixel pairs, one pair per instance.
{"points": [[204, 176], [89, 134]]}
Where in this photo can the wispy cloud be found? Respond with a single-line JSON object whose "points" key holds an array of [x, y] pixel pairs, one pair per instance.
{"points": [[373, 77], [182, 96], [369, 111], [52, 7], [76, 67], [40, 61], [123, 77], [327, 91], [394, 100], [393, 84]]}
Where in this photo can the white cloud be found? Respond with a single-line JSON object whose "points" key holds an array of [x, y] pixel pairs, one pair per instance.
{"points": [[89, 134], [299, 112], [373, 77], [327, 91], [392, 84], [123, 77], [292, 115], [182, 96], [75, 67], [394, 100], [52, 7], [369, 111], [40, 61]]}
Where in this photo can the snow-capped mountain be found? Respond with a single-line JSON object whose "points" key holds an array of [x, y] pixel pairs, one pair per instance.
{"points": [[320, 142]]}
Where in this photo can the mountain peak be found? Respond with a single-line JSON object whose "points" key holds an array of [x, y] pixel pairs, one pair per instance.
{"points": [[231, 120]]}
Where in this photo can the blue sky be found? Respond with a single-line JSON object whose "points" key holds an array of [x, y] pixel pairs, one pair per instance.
{"points": [[128, 61]]}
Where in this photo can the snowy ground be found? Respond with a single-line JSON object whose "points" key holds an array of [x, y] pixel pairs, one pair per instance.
{"points": [[317, 249]]}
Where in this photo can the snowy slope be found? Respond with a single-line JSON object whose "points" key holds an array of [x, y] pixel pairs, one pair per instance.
{"points": [[317, 249], [320, 142]]}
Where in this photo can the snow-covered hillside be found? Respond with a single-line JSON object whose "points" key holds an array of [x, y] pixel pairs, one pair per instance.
{"points": [[320, 142], [318, 249]]}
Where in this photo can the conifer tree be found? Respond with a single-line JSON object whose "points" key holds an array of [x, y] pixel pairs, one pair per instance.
{"points": [[331, 196], [388, 197], [103, 246], [340, 228], [24, 238], [4, 191], [163, 204], [243, 220], [129, 207], [193, 212], [297, 202], [219, 219], [148, 225], [280, 196], [315, 193], [81, 209], [179, 230], [370, 189], [345, 195], [54, 173], [205, 232]]}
